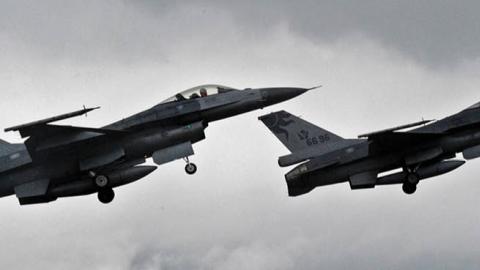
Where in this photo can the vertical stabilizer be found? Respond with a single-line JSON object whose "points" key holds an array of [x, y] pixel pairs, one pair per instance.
{"points": [[297, 134]]}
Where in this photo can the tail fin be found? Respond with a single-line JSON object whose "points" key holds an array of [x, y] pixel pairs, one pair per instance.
{"points": [[297, 134]]}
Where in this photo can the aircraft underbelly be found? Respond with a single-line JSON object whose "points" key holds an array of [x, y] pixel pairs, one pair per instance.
{"points": [[101, 158], [472, 153], [359, 173], [423, 156]]}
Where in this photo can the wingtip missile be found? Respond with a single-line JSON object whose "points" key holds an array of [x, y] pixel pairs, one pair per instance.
{"points": [[87, 110], [90, 109]]}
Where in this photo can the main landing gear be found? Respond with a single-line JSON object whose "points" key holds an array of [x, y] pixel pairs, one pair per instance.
{"points": [[101, 181], [190, 168], [409, 188], [105, 194], [411, 181]]}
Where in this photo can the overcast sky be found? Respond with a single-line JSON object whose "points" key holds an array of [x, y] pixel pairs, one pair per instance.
{"points": [[382, 64]]}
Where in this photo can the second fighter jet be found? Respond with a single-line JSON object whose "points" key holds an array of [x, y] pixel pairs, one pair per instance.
{"points": [[420, 153]]}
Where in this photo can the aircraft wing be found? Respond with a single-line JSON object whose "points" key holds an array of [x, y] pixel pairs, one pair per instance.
{"points": [[398, 140], [395, 138], [392, 130], [26, 130], [42, 135]]}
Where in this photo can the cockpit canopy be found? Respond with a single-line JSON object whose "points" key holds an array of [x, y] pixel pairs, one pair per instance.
{"points": [[200, 91]]}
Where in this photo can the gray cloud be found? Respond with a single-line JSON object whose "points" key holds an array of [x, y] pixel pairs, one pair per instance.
{"points": [[432, 32], [435, 33], [235, 214]]}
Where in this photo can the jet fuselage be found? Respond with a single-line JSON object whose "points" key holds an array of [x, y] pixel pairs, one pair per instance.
{"points": [[164, 132]]}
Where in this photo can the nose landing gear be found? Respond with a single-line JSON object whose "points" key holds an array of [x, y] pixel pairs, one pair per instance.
{"points": [[190, 168], [101, 181], [412, 178]]}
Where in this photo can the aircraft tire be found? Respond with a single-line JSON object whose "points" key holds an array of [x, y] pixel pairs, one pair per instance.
{"points": [[101, 181], [191, 168], [409, 188], [106, 196]]}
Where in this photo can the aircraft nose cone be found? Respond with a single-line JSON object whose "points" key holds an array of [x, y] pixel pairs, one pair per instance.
{"points": [[277, 95]]}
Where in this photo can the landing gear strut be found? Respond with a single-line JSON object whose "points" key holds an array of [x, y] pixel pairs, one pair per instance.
{"points": [[190, 168], [106, 195], [411, 181], [412, 178]]}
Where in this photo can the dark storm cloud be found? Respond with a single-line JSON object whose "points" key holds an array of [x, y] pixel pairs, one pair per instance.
{"points": [[85, 31], [125, 56], [432, 32]]}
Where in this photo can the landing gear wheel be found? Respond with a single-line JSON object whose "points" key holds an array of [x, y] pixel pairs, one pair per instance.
{"points": [[412, 178], [191, 168], [409, 188], [101, 181], [106, 196]]}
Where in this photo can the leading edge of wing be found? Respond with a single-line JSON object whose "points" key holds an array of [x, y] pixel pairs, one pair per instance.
{"points": [[51, 119], [392, 130]]}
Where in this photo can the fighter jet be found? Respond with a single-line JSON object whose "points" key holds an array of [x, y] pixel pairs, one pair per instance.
{"points": [[62, 161], [402, 155]]}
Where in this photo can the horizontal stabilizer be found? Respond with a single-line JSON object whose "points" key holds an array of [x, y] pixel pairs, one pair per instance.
{"points": [[5, 147], [333, 152], [4, 143], [50, 120]]}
